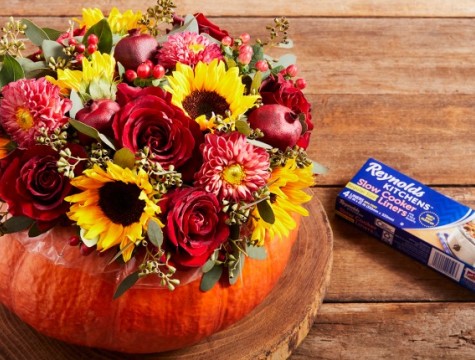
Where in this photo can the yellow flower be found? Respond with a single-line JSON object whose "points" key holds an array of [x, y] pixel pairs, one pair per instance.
{"points": [[118, 22], [95, 79], [287, 196], [209, 90], [114, 207]]}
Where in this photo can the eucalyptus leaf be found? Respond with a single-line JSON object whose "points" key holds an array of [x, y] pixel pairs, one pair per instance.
{"points": [[266, 212], [76, 103], [126, 284], [318, 168], [53, 34], [210, 278], [155, 233], [11, 70], [208, 266], [256, 252], [52, 49], [35, 231], [36, 34], [286, 60], [103, 31], [259, 144], [91, 132], [16, 223], [236, 273], [243, 127], [33, 69]]}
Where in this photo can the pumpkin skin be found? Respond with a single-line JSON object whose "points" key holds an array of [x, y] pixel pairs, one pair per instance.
{"points": [[76, 306]]}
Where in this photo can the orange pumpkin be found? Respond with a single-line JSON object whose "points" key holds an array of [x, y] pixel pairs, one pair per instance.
{"points": [[75, 304]]}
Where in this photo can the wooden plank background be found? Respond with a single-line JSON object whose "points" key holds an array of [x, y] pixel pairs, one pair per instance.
{"points": [[387, 79]]}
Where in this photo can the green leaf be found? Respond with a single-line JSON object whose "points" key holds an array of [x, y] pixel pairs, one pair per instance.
{"points": [[236, 273], [155, 233], [318, 168], [256, 83], [11, 70], [210, 278], [52, 49], [35, 230], [91, 132], [76, 103], [243, 127], [266, 212], [34, 69], [126, 284], [208, 266], [103, 31], [259, 144], [125, 158], [52, 33], [16, 224], [286, 60], [36, 34], [256, 252]]}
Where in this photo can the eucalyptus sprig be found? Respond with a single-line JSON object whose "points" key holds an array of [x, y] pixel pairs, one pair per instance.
{"points": [[161, 13], [10, 43]]}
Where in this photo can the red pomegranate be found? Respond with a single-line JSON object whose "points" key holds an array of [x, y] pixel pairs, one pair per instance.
{"points": [[281, 126], [134, 49], [98, 114]]}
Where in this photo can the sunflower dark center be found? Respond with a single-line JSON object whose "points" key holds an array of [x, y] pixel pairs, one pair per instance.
{"points": [[205, 103], [120, 202]]}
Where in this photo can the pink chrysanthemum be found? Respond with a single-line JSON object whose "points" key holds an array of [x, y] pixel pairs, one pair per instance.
{"points": [[188, 48], [29, 105], [232, 167]]}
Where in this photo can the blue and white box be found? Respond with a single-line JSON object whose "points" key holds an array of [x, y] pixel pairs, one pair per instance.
{"points": [[413, 218]]}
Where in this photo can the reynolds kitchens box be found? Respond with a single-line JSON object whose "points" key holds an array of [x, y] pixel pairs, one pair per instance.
{"points": [[413, 218]]}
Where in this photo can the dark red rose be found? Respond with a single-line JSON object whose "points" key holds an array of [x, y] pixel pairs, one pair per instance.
{"points": [[207, 27], [150, 119], [278, 90], [194, 225], [98, 114], [31, 184]]}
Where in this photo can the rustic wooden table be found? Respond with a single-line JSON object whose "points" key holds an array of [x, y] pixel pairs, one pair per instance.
{"points": [[391, 80]]}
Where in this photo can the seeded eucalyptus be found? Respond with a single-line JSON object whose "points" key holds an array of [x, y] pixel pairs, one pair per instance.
{"points": [[10, 43], [161, 13]]}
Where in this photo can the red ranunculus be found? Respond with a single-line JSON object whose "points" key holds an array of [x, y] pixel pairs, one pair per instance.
{"points": [[32, 186], [148, 118], [207, 27], [194, 225], [278, 90]]}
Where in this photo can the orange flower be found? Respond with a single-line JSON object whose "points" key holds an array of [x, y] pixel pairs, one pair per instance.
{"points": [[5, 147]]}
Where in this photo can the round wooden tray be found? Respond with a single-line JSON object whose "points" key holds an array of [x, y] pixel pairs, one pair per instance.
{"points": [[272, 330]]}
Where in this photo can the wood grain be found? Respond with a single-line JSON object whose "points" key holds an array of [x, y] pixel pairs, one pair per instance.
{"points": [[391, 331], [334, 8], [272, 330]]}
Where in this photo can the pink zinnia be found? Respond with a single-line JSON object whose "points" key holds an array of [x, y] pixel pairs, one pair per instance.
{"points": [[188, 48], [29, 105], [232, 167]]}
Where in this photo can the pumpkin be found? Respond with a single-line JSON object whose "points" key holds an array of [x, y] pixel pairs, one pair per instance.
{"points": [[74, 303]]}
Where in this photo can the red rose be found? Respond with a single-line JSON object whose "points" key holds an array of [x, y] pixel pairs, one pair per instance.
{"points": [[31, 184], [148, 118], [194, 225], [278, 90], [207, 27]]}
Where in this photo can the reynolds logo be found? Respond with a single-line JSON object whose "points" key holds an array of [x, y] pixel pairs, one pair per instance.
{"points": [[376, 170]]}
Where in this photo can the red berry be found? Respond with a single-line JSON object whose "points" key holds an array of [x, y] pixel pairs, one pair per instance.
{"points": [[149, 63], [79, 57], [245, 58], [245, 37], [73, 42], [226, 41], [91, 48], [245, 49], [80, 48], [158, 71], [144, 70], [130, 75], [74, 240], [84, 250], [262, 65], [92, 39], [291, 70], [300, 83]]}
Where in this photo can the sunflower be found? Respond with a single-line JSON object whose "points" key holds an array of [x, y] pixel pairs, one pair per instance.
{"points": [[114, 207], [209, 90], [120, 23], [95, 79], [287, 196]]}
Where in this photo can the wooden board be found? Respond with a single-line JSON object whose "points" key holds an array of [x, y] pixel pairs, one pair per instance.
{"points": [[273, 330]]}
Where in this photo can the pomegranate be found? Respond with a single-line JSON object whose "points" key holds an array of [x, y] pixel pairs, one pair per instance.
{"points": [[98, 114], [281, 126], [135, 49]]}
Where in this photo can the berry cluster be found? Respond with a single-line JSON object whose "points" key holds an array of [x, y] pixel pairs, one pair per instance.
{"points": [[145, 70], [81, 49]]}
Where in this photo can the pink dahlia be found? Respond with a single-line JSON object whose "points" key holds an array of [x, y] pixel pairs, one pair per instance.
{"points": [[188, 48], [232, 167], [29, 105]]}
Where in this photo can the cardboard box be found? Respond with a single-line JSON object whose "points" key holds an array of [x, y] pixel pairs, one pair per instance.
{"points": [[413, 218]]}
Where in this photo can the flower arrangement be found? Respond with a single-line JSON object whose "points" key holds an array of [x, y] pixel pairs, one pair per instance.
{"points": [[160, 138]]}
